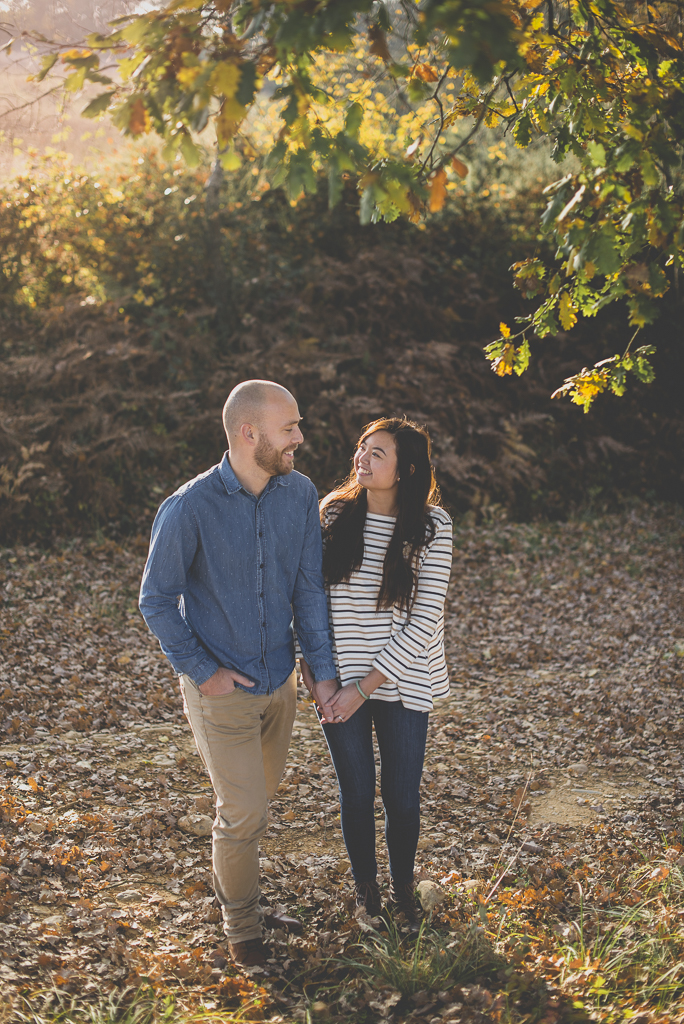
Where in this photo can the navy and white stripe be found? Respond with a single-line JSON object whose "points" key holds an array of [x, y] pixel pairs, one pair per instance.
{"points": [[409, 651]]}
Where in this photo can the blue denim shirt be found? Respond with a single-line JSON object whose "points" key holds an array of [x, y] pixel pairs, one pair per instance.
{"points": [[225, 573]]}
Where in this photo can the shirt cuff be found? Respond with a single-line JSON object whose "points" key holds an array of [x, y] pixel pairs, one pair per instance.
{"points": [[201, 672], [322, 670], [386, 668]]}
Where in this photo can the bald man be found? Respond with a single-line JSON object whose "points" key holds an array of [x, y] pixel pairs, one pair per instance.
{"points": [[234, 563]]}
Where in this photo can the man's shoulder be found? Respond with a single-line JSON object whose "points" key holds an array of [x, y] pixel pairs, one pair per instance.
{"points": [[302, 484], [202, 482], [199, 487]]}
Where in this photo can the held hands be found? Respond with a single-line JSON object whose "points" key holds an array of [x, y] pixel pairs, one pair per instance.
{"points": [[222, 682], [342, 705], [321, 691]]}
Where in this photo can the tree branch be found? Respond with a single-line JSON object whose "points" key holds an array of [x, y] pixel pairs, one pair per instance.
{"points": [[29, 103]]}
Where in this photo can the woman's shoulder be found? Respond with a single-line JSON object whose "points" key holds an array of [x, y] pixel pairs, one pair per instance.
{"points": [[439, 516], [330, 509]]}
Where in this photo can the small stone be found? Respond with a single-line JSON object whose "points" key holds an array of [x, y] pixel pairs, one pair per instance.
{"points": [[196, 824], [470, 884], [129, 896], [430, 895], [267, 865], [343, 866], [580, 768], [36, 826]]}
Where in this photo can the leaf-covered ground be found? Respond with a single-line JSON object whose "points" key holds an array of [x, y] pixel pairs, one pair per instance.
{"points": [[552, 798]]}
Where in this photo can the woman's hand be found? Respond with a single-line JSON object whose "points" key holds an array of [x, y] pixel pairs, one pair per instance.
{"points": [[347, 700], [342, 705]]}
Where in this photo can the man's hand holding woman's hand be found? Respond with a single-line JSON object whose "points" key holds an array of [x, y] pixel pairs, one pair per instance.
{"points": [[223, 681], [321, 691]]}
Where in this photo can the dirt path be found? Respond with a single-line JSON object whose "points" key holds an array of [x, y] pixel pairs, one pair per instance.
{"points": [[566, 645]]}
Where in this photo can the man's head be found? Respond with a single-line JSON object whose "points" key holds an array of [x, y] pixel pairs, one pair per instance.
{"points": [[261, 420]]}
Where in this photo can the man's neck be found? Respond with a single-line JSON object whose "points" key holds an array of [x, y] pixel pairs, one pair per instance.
{"points": [[250, 476]]}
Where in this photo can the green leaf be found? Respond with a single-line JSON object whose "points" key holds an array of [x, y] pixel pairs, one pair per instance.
{"points": [[522, 131], [597, 154], [75, 82], [189, 150], [602, 252], [137, 30], [522, 357], [649, 171], [47, 64], [247, 85], [99, 104], [353, 120], [335, 187]]}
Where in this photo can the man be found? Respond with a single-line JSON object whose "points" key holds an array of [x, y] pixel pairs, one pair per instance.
{"points": [[235, 555]]}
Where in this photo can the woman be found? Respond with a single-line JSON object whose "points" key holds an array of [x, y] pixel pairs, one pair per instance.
{"points": [[387, 559]]}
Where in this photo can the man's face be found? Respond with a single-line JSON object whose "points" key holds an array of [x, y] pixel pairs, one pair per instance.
{"points": [[279, 437]]}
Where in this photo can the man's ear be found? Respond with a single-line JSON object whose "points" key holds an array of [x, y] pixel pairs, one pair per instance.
{"points": [[412, 470], [248, 434]]}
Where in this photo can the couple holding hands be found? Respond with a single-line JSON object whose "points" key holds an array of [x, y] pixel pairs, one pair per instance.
{"points": [[242, 554]]}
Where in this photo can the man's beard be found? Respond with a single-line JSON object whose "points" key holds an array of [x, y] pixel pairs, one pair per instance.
{"points": [[270, 459]]}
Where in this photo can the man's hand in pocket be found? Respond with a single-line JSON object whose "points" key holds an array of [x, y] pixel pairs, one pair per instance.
{"points": [[223, 681]]}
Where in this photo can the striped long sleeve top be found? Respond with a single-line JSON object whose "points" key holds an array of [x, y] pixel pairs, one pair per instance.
{"points": [[408, 649]]}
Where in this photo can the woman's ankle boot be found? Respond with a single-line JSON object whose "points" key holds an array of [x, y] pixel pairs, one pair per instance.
{"points": [[368, 896], [402, 900]]}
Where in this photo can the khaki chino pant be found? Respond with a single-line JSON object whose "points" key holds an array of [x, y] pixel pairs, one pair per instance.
{"points": [[243, 741]]}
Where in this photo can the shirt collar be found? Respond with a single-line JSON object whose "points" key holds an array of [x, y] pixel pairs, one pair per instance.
{"points": [[232, 484]]}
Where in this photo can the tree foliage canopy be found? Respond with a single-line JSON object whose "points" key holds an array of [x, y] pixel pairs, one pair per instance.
{"points": [[391, 92]]}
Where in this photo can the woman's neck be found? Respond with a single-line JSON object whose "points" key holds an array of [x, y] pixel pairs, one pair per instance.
{"points": [[383, 503]]}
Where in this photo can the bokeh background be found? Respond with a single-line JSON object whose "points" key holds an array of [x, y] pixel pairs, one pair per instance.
{"points": [[134, 294]]}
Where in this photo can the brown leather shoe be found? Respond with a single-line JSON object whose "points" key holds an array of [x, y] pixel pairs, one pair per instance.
{"points": [[250, 953], [275, 919]]}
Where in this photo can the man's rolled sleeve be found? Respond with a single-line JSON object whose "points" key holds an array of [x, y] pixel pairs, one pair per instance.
{"points": [[310, 605], [172, 550]]}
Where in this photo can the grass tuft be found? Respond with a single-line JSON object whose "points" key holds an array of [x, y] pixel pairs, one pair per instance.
{"points": [[431, 961]]}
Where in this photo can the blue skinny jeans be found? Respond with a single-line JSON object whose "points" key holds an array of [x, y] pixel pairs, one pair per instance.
{"points": [[401, 734]]}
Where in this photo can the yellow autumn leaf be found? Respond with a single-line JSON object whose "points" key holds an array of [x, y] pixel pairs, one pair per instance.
{"points": [[437, 186], [187, 76], [225, 79], [231, 160], [505, 330], [459, 167], [139, 119], [229, 117], [504, 364], [567, 312], [426, 73]]}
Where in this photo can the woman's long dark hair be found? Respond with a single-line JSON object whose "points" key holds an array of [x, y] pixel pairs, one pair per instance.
{"points": [[343, 515]]}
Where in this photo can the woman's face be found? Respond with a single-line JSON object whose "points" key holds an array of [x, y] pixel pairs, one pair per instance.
{"points": [[375, 462]]}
